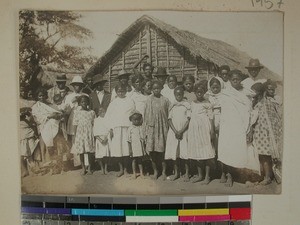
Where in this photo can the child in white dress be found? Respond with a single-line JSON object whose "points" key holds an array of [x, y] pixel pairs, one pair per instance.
{"points": [[200, 131], [136, 142], [177, 139], [168, 90], [101, 133]]}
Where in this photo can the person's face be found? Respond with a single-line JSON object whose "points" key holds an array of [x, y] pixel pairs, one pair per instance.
{"points": [[224, 75], [199, 94], [99, 86], [61, 84], [270, 91], [215, 88], [179, 95], [156, 89], [89, 81], [235, 81], [23, 93], [188, 85], [77, 87], [121, 92], [42, 97], [101, 112], [253, 72], [148, 71], [147, 88], [162, 79], [137, 85], [136, 120], [124, 80], [84, 103], [172, 83], [30, 94]]}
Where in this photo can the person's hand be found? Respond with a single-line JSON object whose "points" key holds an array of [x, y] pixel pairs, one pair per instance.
{"points": [[111, 133]]}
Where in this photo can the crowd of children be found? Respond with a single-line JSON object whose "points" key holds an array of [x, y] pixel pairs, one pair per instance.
{"points": [[155, 127]]}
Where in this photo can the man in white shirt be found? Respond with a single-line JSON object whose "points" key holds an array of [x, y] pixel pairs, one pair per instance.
{"points": [[253, 68]]}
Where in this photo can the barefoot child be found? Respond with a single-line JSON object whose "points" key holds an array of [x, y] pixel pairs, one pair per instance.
{"points": [[136, 142], [200, 131], [177, 140], [101, 133], [117, 121], [156, 128], [84, 138]]}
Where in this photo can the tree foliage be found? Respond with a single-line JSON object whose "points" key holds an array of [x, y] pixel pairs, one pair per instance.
{"points": [[50, 37]]}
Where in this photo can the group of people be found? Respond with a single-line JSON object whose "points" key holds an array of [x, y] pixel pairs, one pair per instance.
{"points": [[151, 124]]}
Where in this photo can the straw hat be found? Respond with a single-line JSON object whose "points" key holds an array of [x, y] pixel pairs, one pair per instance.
{"points": [[123, 73], [61, 78], [254, 63], [161, 71], [77, 80]]}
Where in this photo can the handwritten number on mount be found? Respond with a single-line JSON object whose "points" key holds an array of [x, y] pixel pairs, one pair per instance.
{"points": [[268, 4], [280, 3]]}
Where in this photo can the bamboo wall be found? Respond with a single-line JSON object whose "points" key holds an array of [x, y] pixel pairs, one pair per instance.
{"points": [[162, 52]]}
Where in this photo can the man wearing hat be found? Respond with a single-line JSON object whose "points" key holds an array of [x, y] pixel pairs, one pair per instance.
{"points": [[61, 81], [147, 71], [88, 85], [99, 97], [161, 75], [123, 77], [253, 68]]}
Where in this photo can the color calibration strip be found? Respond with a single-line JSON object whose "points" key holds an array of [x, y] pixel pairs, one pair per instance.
{"points": [[59, 210]]}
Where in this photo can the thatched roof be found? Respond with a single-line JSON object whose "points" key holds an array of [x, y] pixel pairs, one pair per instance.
{"points": [[214, 51]]}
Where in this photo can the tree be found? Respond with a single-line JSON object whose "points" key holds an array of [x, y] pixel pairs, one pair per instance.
{"points": [[44, 38]]}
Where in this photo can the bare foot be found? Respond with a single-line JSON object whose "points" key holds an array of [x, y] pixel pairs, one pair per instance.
{"points": [[89, 172], [266, 181], [83, 172], [121, 173], [229, 181], [164, 176], [175, 177], [197, 179], [223, 178], [206, 181], [134, 175], [186, 178], [154, 176]]}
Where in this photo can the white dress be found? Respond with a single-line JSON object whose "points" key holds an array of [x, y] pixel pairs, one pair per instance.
{"points": [[100, 130], [136, 138], [234, 125], [139, 101], [117, 119], [168, 93], [179, 114], [199, 139]]}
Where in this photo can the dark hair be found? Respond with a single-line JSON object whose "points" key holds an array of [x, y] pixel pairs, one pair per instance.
{"points": [[214, 80], [137, 77], [57, 98], [188, 77], [139, 114], [147, 64], [79, 99], [41, 90], [202, 85], [181, 88], [237, 72], [224, 67], [270, 82], [171, 76], [120, 85], [157, 82]]}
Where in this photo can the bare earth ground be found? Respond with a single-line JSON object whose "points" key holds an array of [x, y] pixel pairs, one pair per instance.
{"points": [[72, 182]]}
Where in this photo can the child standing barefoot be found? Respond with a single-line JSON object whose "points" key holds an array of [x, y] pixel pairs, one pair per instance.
{"points": [[84, 138], [200, 148], [156, 127], [117, 121], [177, 141], [101, 134], [136, 142]]}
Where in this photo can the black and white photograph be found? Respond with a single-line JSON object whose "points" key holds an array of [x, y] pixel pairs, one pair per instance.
{"points": [[150, 102]]}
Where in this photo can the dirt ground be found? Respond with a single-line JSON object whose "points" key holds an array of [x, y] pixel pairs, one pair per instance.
{"points": [[72, 182]]}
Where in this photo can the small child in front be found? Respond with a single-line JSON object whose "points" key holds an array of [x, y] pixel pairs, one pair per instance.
{"points": [[136, 142]]}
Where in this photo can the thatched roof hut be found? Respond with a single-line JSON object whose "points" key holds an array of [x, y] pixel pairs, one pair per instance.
{"points": [[182, 52]]}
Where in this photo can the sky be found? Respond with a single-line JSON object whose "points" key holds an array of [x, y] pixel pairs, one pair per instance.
{"points": [[259, 34]]}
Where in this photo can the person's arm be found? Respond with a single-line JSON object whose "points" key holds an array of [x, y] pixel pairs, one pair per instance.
{"points": [[172, 126]]}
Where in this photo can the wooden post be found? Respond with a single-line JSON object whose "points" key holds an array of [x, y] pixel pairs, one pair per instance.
{"points": [[167, 51], [123, 59], [140, 48], [109, 78], [182, 63], [156, 48], [149, 50]]}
